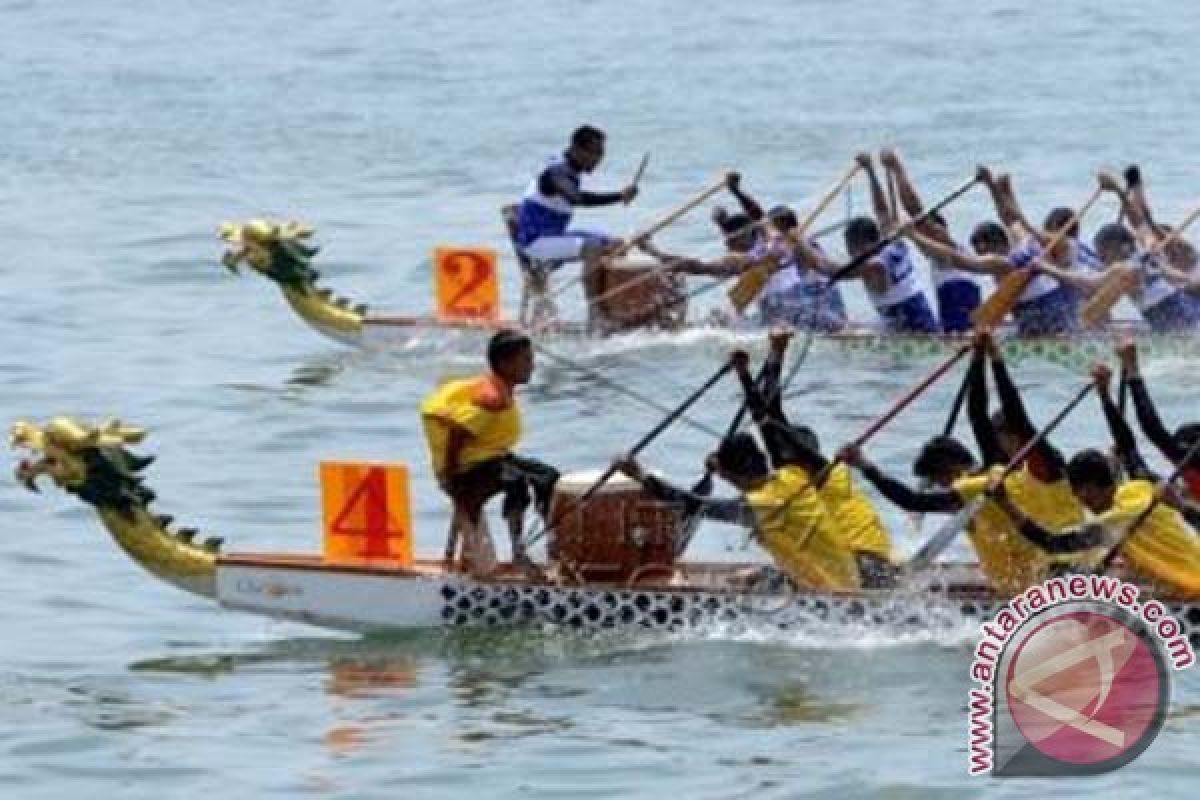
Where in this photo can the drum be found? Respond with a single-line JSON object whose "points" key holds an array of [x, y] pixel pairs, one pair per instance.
{"points": [[619, 534], [640, 295]]}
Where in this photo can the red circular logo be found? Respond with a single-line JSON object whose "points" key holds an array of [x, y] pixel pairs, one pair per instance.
{"points": [[1084, 688]]}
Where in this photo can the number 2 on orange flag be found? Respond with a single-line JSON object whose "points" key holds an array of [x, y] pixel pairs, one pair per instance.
{"points": [[467, 283], [365, 512]]}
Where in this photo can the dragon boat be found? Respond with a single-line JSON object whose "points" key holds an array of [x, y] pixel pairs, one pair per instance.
{"points": [[620, 567], [282, 252]]}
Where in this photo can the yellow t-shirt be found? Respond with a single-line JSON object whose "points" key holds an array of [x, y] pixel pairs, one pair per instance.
{"points": [[1164, 548], [798, 533], [1011, 563], [483, 407], [853, 515]]}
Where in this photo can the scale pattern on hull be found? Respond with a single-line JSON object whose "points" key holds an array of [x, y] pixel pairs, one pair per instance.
{"points": [[607, 608]]}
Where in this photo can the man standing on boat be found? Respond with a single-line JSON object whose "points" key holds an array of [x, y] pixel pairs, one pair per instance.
{"points": [[544, 217], [471, 427]]}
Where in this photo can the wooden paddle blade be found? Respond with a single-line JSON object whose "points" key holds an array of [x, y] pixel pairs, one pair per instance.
{"points": [[993, 310], [749, 285], [1116, 286]]}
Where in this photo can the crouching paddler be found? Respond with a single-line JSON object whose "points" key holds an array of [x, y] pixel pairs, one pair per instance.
{"points": [[472, 426], [781, 507]]}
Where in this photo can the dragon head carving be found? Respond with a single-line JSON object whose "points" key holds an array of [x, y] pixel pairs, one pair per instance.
{"points": [[91, 461], [282, 252]]}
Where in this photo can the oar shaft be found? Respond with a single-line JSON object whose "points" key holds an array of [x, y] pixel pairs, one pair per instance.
{"points": [[828, 198], [637, 176], [878, 247], [654, 432], [670, 218], [912, 394]]}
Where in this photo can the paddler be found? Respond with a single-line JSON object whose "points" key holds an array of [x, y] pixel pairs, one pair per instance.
{"points": [[1179, 252], [1173, 446], [1164, 307], [471, 427], [781, 507], [1164, 549], [858, 524], [1046, 308], [544, 216], [958, 291], [890, 278], [1009, 562]]}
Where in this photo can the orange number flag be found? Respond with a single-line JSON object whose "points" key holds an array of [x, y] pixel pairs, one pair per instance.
{"points": [[365, 511], [467, 283]]}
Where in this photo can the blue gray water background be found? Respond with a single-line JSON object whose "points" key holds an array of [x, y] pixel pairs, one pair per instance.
{"points": [[130, 130]]}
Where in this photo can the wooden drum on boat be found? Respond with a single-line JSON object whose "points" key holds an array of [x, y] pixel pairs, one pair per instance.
{"points": [[622, 533], [640, 295]]}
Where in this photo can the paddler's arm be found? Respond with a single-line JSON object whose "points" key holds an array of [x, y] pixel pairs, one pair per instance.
{"points": [[977, 403], [457, 438], [1147, 415], [781, 441], [1127, 449], [733, 510], [1084, 282], [879, 202], [750, 206], [1046, 462], [911, 201], [996, 266], [1072, 541], [922, 502], [556, 182], [1010, 211], [1138, 207], [810, 256]]}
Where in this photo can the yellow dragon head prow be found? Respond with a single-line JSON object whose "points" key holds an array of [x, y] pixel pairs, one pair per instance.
{"points": [[282, 252], [93, 462]]}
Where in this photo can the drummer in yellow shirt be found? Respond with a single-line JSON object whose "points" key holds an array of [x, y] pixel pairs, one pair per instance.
{"points": [[471, 427], [1164, 549]]}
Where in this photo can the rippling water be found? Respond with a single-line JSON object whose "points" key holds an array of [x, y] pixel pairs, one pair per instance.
{"points": [[131, 130]]}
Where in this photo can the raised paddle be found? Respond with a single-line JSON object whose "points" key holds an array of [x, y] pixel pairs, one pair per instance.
{"points": [[925, 556], [641, 445], [1009, 291], [1122, 281], [1162, 489], [751, 282]]}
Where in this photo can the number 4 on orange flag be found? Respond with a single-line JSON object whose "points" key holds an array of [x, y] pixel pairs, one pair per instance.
{"points": [[467, 283], [366, 513]]}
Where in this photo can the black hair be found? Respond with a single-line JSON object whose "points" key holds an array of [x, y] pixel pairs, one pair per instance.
{"points": [[940, 455], [807, 437], [735, 224], [861, 233], [504, 345], [740, 455], [1091, 468], [1058, 218], [990, 233], [1186, 436], [999, 421], [587, 136], [1114, 235], [783, 217]]}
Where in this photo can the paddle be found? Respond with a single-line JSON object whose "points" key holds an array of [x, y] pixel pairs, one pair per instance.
{"points": [[1163, 487], [1009, 291], [1121, 281], [751, 282], [925, 556], [668, 219], [641, 445], [637, 176]]}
